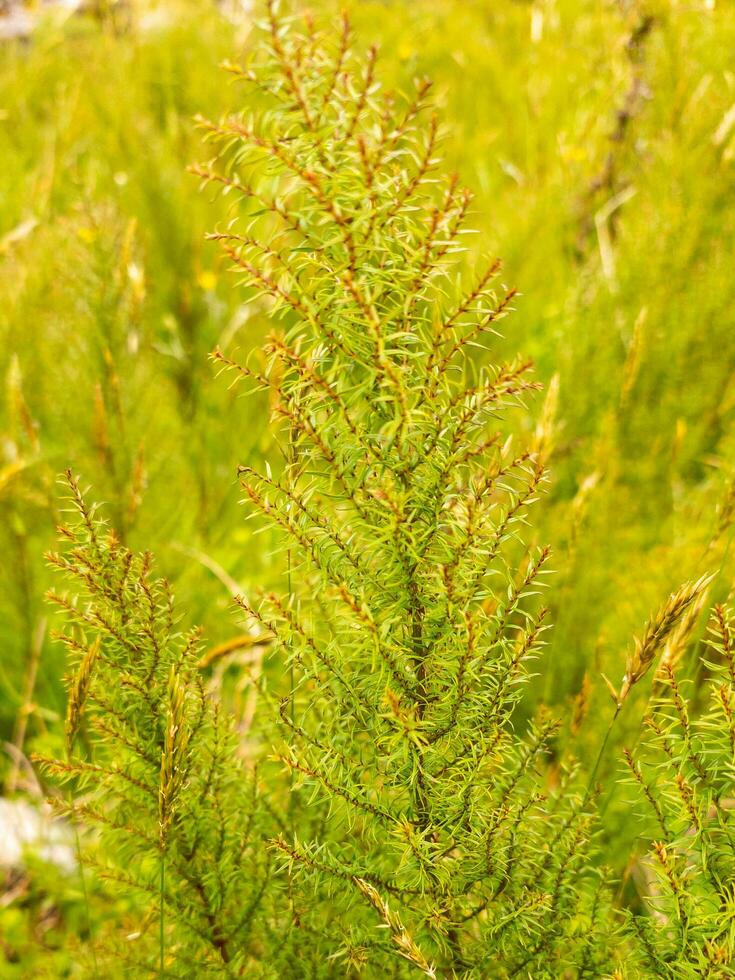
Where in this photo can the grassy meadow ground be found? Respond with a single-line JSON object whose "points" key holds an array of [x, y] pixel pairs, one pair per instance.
{"points": [[599, 138]]}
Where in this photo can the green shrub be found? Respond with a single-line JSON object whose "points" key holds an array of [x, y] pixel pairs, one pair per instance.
{"points": [[684, 776], [407, 623], [153, 764]]}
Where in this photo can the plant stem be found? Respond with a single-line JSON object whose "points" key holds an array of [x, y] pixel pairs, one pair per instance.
{"points": [[26, 708], [161, 920], [83, 881], [600, 755]]}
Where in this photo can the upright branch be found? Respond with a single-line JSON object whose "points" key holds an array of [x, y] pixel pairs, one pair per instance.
{"points": [[153, 766], [412, 618], [683, 776]]}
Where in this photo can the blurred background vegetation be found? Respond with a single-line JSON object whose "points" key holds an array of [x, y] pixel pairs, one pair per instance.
{"points": [[599, 136]]}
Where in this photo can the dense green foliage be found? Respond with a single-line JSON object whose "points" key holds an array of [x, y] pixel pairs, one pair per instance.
{"points": [[174, 805], [406, 622], [421, 791], [684, 784]]}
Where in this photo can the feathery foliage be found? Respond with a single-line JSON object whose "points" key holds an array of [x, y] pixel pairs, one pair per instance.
{"points": [[684, 773], [410, 622], [153, 764]]}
